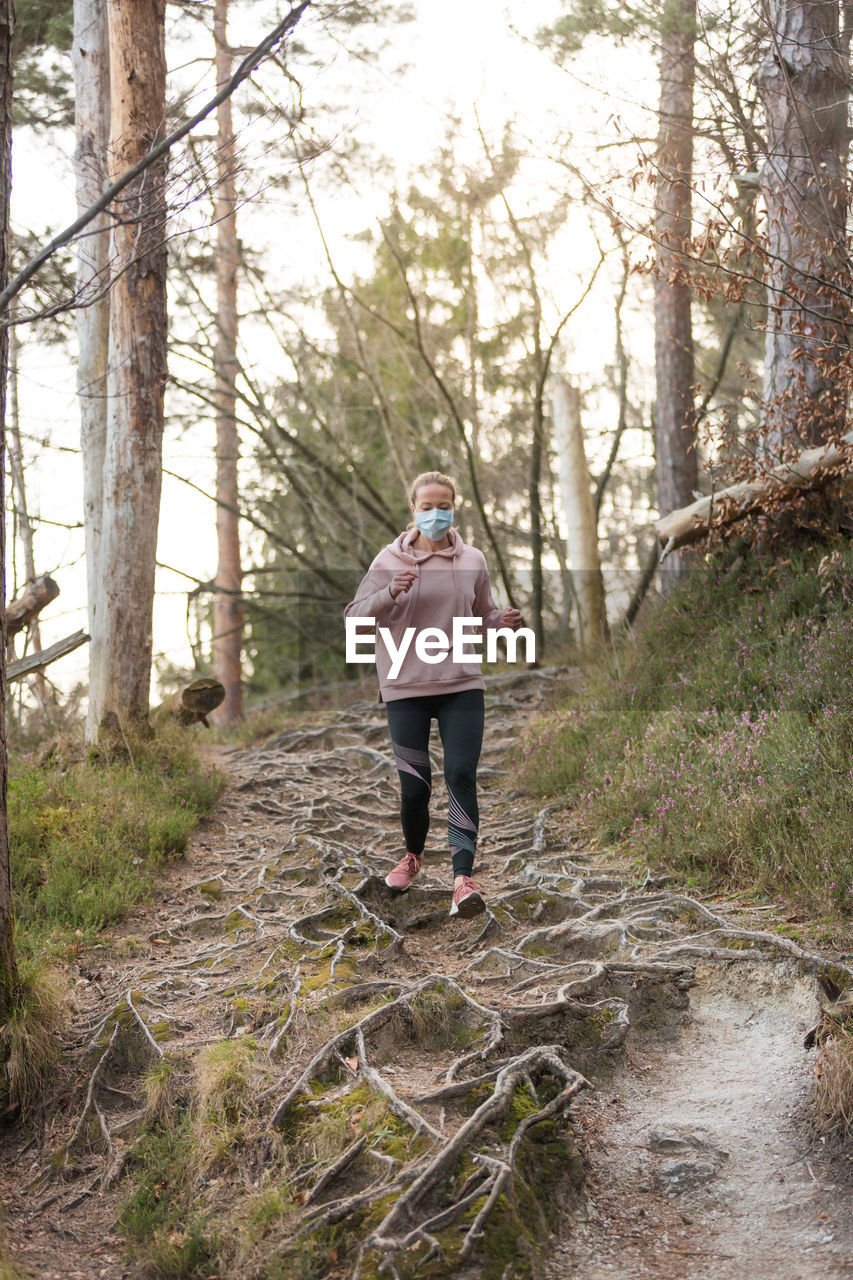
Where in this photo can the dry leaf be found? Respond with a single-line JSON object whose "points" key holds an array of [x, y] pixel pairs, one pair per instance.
{"points": [[352, 1063]]}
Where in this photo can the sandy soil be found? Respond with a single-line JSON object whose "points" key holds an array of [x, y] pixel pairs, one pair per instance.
{"points": [[702, 1162]]}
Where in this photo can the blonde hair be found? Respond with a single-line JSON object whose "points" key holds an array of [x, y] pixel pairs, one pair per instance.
{"points": [[425, 478]]}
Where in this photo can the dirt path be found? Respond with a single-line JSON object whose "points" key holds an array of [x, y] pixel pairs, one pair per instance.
{"points": [[703, 1164], [477, 1042]]}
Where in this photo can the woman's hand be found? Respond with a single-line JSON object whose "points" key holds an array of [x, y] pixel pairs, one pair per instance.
{"points": [[511, 618], [402, 581]]}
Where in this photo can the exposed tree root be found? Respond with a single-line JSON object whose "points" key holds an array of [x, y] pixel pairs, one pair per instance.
{"points": [[461, 1046]]}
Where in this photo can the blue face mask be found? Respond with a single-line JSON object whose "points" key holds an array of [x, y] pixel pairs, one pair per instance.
{"points": [[435, 523]]}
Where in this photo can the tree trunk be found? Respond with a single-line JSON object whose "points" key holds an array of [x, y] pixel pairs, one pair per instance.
{"points": [[8, 968], [675, 412], [90, 59], [227, 600], [535, 496], [137, 365], [25, 529], [579, 508], [803, 83]]}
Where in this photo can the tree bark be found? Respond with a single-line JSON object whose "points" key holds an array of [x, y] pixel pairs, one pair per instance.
{"points": [[137, 365], [537, 594], [579, 508], [675, 411], [8, 967], [227, 600], [23, 612], [91, 63], [38, 685], [803, 82], [193, 704]]}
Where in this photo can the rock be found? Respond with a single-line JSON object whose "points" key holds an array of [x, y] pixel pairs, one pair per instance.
{"points": [[682, 1175], [675, 1142]]}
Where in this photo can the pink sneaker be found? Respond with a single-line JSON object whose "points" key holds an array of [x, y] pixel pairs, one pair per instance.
{"points": [[467, 900], [401, 876]]}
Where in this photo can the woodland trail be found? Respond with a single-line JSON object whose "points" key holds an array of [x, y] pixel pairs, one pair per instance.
{"points": [[598, 1057]]}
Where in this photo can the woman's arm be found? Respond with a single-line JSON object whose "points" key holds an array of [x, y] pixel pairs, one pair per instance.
{"points": [[372, 600], [484, 605]]}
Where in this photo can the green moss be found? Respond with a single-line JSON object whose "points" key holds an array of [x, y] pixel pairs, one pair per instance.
{"points": [[599, 1018], [345, 972], [316, 1257], [210, 888], [170, 1238], [523, 1105]]}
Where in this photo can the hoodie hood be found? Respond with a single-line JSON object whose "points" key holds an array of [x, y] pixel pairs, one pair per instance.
{"points": [[401, 547]]}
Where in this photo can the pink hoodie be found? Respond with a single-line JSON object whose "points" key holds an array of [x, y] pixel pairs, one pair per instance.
{"points": [[453, 582]]}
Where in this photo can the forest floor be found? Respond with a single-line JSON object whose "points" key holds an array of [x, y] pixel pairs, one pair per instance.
{"points": [[600, 1077]]}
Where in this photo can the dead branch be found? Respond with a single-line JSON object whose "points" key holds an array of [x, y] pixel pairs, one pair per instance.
{"points": [[20, 667], [36, 596]]}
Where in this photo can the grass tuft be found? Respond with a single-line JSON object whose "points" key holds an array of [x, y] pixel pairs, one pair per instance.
{"points": [[833, 1093], [164, 1087], [29, 1043], [87, 834]]}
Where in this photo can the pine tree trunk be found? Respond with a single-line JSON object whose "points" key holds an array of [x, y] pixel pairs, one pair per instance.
{"points": [[227, 601], [803, 83], [137, 366], [8, 969], [675, 412], [579, 508], [91, 62]]}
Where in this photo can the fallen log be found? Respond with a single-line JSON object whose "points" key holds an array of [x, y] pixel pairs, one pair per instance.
{"points": [[36, 595], [812, 468], [20, 667], [193, 704]]}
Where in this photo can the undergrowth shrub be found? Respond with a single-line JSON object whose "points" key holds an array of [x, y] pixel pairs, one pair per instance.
{"points": [[833, 1092], [29, 1043], [718, 739], [87, 835]]}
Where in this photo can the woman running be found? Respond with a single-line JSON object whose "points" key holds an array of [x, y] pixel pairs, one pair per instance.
{"points": [[423, 579]]}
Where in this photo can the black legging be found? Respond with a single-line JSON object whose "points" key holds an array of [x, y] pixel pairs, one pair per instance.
{"points": [[460, 719]]}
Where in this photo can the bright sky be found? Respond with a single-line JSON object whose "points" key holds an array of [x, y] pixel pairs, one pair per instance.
{"points": [[458, 56]]}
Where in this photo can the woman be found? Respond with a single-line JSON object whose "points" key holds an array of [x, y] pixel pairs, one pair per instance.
{"points": [[425, 578]]}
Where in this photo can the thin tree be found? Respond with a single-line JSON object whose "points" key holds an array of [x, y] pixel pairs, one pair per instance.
{"points": [[227, 602], [137, 366], [20, 505], [8, 968], [675, 413], [582, 553], [91, 63], [804, 84]]}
